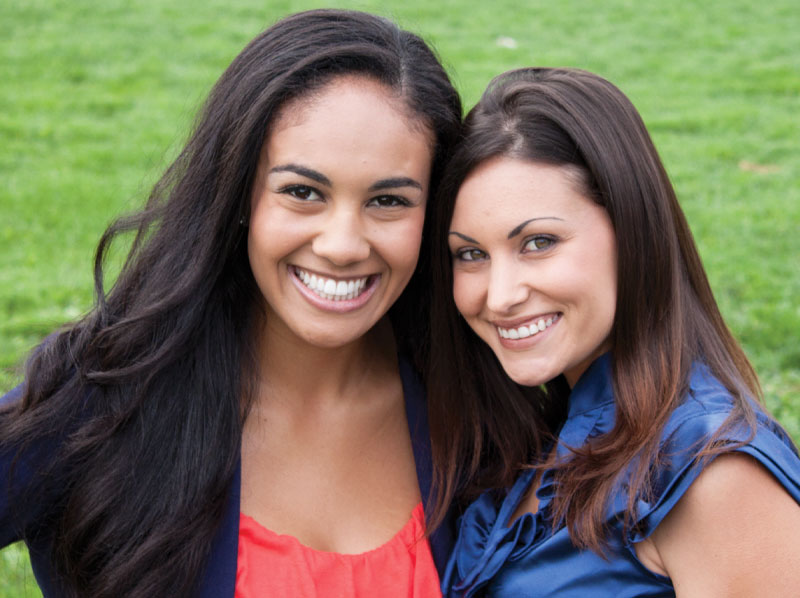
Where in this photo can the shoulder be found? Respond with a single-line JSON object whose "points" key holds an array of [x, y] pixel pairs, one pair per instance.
{"points": [[33, 470], [710, 414], [736, 531], [730, 486], [12, 397], [11, 528]]}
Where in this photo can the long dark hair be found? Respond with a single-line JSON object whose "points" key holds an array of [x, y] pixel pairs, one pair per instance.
{"points": [[143, 400], [484, 427]]}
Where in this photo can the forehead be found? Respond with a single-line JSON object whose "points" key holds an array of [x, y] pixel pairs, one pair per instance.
{"points": [[349, 100], [504, 190], [356, 120]]}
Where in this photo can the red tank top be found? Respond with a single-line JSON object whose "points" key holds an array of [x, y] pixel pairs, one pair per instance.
{"points": [[270, 564]]}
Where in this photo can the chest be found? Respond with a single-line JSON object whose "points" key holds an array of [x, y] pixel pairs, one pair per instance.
{"points": [[339, 484]]}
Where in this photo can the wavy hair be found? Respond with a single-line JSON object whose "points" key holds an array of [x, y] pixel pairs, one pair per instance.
{"points": [[484, 427], [143, 400]]}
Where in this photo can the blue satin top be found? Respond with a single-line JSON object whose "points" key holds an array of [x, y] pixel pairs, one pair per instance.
{"points": [[526, 559]]}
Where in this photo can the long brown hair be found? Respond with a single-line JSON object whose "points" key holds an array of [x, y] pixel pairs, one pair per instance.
{"points": [[133, 415], [484, 427]]}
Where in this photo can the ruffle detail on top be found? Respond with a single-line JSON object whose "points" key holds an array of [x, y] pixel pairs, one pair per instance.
{"points": [[272, 564], [487, 545], [485, 540], [692, 425]]}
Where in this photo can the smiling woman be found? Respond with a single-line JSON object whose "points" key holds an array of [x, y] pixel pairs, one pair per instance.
{"points": [[321, 228], [524, 277], [240, 414], [590, 399]]}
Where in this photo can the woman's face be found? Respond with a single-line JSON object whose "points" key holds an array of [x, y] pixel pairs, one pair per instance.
{"points": [[534, 267], [337, 211]]}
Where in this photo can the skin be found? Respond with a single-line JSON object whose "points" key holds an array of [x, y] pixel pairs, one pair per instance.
{"points": [[340, 192], [735, 531], [528, 245], [734, 534]]}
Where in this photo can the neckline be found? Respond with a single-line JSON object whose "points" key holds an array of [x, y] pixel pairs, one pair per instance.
{"points": [[584, 396], [513, 499], [411, 532]]}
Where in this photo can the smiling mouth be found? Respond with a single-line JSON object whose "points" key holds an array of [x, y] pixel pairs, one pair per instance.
{"points": [[534, 328], [333, 289]]}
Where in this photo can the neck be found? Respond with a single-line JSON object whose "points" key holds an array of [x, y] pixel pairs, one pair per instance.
{"points": [[292, 370]]}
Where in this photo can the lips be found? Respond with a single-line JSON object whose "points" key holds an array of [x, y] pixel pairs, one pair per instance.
{"points": [[339, 295], [332, 289]]}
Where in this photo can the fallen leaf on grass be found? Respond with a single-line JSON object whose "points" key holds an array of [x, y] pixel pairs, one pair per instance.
{"points": [[748, 166], [506, 42]]}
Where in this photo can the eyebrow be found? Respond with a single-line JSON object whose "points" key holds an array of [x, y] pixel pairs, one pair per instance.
{"points": [[394, 183], [314, 175], [518, 229], [303, 171], [465, 237]]}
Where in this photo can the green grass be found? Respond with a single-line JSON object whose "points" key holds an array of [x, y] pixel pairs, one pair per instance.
{"points": [[96, 97]]}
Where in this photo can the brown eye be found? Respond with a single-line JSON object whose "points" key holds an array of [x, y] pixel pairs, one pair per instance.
{"points": [[302, 192], [470, 255], [388, 201], [539, 243]]}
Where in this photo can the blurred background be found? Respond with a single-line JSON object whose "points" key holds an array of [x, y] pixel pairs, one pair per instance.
{"points": [[97, 97]]}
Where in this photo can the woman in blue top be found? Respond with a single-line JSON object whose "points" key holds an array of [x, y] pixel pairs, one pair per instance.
{"points": [[625, 426]]}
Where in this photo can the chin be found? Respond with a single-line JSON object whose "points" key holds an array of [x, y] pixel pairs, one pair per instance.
{"points": [[332, 341], [526, 375]]}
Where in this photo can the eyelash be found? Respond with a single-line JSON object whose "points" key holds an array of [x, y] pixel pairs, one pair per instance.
{"points": [[549, 239], [297, 191], [462, 254], [396, 201]]}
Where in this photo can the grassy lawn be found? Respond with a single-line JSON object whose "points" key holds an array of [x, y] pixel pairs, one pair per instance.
{"points": [[97, 97]]}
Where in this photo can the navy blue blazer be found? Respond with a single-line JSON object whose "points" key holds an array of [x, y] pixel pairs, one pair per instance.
{"points": [[219, 577]]}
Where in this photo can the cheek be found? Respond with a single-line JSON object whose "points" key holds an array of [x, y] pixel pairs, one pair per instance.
{"points": [[610, 268], [467, 293], [259, 249], [260, 262], [267, 245], [400, 245], [604, 284], [611, 301]]}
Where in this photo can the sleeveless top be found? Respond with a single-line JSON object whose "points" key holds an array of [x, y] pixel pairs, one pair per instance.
{"points": [[271, 564], [527, 558]]}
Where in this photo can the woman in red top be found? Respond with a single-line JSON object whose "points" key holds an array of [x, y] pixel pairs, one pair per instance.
{"points": [[249, 339]]}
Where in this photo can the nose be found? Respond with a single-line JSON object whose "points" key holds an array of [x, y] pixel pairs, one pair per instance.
{"points": [[507, 288], [342, 238]]}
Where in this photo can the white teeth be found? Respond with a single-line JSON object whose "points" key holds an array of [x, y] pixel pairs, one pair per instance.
{"points": [[526, 331], [332, 289]]}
